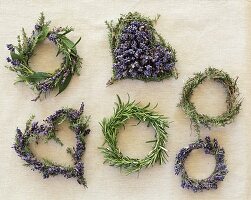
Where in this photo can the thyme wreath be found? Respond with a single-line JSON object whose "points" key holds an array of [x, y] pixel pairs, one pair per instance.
{"points": [[43, 82], [210, 147], [110, 127], [47, 131], [233, 101]]}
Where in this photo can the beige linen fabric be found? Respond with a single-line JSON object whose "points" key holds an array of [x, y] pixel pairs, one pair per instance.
{"points": [[204, 33]]}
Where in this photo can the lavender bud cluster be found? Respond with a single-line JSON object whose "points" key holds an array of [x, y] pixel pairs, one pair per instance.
{"points": [[10, 47], [137, 57], [21, 146], [37, 27], [14, 62], [53, 37], [48, 84], [210, 147]]}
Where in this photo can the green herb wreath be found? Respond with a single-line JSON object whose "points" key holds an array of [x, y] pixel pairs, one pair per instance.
{"points": [[43, 82], [233, 101], [110, 127]]}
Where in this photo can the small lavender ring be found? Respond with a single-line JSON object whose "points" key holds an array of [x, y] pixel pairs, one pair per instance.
{"points": [[43, 82], [47, 131], [210, 147]]}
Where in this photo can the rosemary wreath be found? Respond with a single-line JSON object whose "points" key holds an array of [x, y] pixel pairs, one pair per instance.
{"points": [[43, 82], [139, 51], [233, 101], [47, 131], [210, 147], [110, 127]]}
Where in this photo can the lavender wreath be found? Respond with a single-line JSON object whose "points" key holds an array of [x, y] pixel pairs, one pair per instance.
{"points": [[210, 147], [47, 131], [43, 82]]}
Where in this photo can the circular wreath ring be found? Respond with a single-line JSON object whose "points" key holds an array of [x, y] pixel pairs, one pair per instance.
{"points": [[210, 147], [43, 82], [233, 101], [47, 131], [110, 127]]}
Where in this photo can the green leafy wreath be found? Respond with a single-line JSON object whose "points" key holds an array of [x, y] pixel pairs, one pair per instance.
{"points": [[110, 127], [233, 101], [43, 82]]}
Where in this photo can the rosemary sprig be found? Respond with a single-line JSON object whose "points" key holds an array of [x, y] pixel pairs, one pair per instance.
{"points": [[110, 127], [233, 101]]}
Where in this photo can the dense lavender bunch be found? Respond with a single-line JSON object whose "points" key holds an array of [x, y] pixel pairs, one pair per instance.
{"points": [[78, 124], [210, 147], [138, 56]]}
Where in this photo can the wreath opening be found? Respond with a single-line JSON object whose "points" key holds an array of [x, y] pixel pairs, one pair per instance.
{"points": [[233, 101], [43, 82], [35, 132], [137, 134], [210, 147], [139, 51], [110, 127]]}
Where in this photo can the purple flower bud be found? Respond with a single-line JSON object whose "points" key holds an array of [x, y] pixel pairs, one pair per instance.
{"points": [[10, 47], [53, 37], [15, 62], [8, 59], [37, 27]]}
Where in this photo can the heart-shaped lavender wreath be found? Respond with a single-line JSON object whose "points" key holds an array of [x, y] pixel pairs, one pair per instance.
{"points": [[138, 51], [47, 131]]}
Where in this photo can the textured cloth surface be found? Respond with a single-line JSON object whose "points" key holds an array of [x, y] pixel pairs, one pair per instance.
{"points": [[204, 33]]}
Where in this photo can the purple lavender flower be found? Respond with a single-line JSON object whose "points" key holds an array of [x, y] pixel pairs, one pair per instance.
{"points": [[53, 37], [8, 59], [15, 62], [135, 57], [10, 47], [37, 27]]}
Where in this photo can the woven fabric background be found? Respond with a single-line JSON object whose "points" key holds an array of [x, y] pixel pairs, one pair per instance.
{"points": [[204, 33]]}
